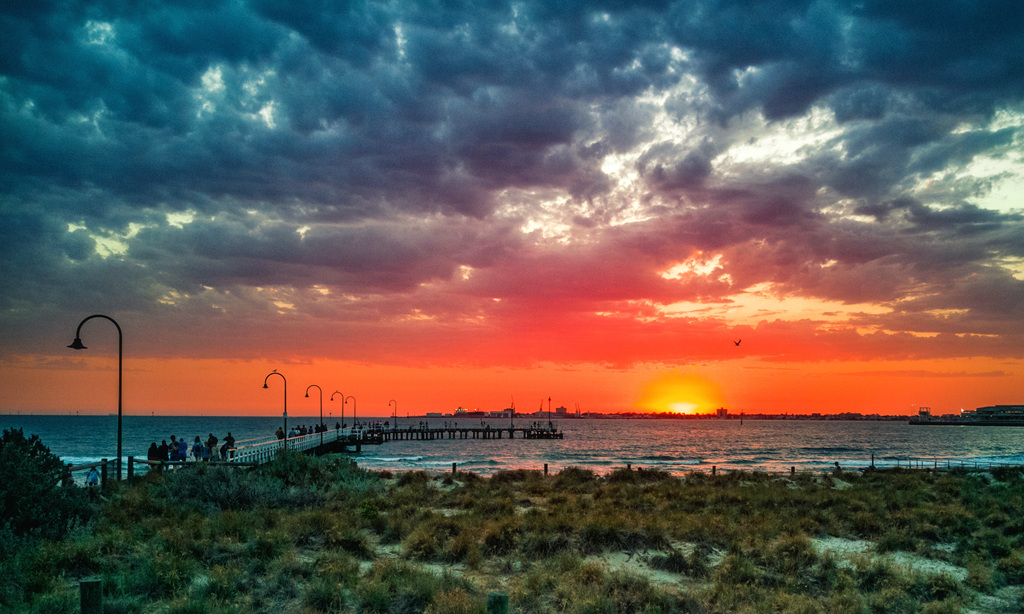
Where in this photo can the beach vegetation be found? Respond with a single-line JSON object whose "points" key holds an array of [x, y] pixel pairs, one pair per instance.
{"points": [[319, 534]]}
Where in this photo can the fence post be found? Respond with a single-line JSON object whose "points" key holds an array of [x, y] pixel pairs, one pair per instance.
{"points": [[545, 468], [103, 475], [713, 469], [131, 468], [497, 603], [872, 459], [90, 591], [453, 468]]}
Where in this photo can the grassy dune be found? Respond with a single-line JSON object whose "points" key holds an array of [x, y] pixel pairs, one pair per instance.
{"points": [[320, 535]]}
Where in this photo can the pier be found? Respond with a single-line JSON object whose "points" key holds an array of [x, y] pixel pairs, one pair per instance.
{"points": [[485, 432], [253, 452]]}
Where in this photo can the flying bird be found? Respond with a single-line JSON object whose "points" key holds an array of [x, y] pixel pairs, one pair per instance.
{"points": [[737, 342]]}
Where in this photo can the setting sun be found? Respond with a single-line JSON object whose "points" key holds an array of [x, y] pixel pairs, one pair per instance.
{"points": [[681, 393]]}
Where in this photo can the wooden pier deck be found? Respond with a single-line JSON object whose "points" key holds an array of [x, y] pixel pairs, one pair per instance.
{"points": [[344, 440], [487, 432], [252, 452]]}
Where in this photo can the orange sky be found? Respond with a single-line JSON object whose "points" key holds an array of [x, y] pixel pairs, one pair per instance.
{"points": [[218, 387]]}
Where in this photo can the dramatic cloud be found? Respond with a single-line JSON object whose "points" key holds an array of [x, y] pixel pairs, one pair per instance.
{"points": [[515, 184]]}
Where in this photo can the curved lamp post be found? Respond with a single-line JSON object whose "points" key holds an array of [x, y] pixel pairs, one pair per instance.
{"points": [[342, 406], [274, 372], [78, 345], [395, 416], [320, 427], [353, 409]]}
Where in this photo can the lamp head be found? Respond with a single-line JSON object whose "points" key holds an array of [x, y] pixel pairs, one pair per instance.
{"points": [[307, 395], [77, 344], [265, 385]]}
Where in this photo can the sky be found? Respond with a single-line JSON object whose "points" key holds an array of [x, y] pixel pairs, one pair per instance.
{"points": [[769, 206]]}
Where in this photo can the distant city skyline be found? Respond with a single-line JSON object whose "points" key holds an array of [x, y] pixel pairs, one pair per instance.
{"points": [[780, 206]]}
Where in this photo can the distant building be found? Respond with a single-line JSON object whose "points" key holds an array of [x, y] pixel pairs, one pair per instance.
{"points": [[721, 413], [561, 411]]}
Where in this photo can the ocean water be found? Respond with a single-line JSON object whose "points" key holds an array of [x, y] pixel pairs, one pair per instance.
{"points": [[677, 446]]}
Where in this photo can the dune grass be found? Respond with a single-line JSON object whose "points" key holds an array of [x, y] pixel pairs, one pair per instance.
{"points": [[306, 534]]}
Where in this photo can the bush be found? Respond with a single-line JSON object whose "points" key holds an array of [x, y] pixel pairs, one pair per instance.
{"points": [[33, 502], [209, 487]]}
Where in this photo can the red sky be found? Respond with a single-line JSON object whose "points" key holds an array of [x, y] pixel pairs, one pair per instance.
{"points": [[514, 201]]}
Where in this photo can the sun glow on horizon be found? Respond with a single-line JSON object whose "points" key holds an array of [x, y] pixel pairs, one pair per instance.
{"points": [[680, 393]]}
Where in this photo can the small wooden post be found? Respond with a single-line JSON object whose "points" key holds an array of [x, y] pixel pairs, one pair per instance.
{"points": [[545, 468], [131, 468], [629, 467], [713, 470], [453, 468], [497, 603], [103, 475], [90, 592], [872, 460], [792, 471]]}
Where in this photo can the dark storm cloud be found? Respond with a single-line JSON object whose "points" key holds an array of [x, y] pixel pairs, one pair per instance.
{"points": [[158, 152]]}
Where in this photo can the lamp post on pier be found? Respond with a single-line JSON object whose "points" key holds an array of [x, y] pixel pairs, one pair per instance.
{"points": [[78, 345], [353, 409], [320, 427], [274, 372], [342, 406], [394, 425]]}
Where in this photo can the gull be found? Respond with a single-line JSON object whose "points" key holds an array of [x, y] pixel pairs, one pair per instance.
{"points": [[737, 342]]}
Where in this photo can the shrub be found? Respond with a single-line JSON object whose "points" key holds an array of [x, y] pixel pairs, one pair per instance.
{"points": [[324, 595], [413, 477], [456, 601], [395, 587], [208, 487], [33, 502]]}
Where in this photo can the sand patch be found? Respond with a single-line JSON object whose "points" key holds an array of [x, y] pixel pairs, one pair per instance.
{"points": [[853, 548], [838, 484]]}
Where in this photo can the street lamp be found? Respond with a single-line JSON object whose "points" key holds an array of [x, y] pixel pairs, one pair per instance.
{"points": [[395, 416], [342, 406], [353, 409], [274, 372], [78, 345], [320, 427], [549, 414]]}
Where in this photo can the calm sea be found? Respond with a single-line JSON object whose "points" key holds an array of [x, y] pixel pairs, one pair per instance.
{"points": [[676, 446]]}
